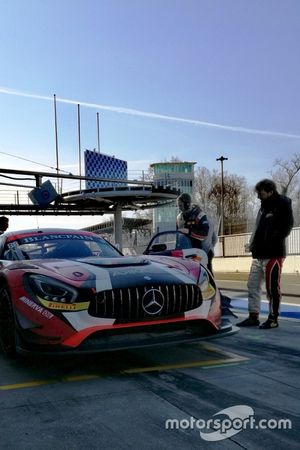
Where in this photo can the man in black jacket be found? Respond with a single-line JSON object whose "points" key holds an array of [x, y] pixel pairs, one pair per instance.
{"points": [[267, 244], [193, 222]]}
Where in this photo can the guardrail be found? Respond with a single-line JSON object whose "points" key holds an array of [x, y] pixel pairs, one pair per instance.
{"points": [[234, 244]]}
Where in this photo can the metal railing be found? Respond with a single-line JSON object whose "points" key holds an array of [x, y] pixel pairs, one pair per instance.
{"points": [[234, 244]]}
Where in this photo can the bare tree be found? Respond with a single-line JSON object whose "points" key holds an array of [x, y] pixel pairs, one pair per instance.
{"points": [[286, 176], [235, 202], [147, 175], [207, 192], [175, 159], [203, 184]]}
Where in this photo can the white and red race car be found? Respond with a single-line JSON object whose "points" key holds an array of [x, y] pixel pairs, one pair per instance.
{"points": [[63, 290]]}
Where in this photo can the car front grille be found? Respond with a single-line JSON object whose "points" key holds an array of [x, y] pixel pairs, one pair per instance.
{"points": [[137, 303]]}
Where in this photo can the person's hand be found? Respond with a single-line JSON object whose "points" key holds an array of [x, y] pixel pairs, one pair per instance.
{"points": [[247, 247], [184, 230]]}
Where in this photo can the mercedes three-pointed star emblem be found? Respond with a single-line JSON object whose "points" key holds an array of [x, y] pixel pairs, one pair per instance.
{"points": [[153, 302]]}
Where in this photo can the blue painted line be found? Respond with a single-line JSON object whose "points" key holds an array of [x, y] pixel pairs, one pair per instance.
{"points": [[292, 311]]}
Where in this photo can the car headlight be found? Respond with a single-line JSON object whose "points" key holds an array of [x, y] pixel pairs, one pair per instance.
{"points": [[206, 285], [203, 280], [52, 290]]}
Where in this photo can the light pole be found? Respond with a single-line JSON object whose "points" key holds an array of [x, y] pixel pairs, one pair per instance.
{"points": [[222, 159], [56, 141]]}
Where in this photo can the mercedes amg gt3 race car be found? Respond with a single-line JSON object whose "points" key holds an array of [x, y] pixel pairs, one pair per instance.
{"points": [[64, 291]]}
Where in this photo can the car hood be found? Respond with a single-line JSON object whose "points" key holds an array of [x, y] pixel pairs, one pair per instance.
{"points": [[122, 272]]}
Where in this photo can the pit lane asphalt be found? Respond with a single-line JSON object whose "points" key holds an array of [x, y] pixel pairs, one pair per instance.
{"points": [[122, 400]]}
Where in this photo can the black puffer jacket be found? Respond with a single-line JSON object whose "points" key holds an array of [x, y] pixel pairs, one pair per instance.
{"points": [[274, 223]]}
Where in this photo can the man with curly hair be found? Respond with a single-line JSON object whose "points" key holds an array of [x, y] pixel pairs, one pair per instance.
{"points": [[274, 223]]}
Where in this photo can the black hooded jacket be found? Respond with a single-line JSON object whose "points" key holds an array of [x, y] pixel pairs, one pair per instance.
{"points": [[274, 223]]}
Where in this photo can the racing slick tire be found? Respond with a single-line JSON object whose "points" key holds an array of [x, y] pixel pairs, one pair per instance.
{"points": [[7, 324]]}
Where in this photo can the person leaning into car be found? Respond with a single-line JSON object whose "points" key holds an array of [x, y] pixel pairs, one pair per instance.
{"points": [[267, 244], [193, 221], [4, 222]]}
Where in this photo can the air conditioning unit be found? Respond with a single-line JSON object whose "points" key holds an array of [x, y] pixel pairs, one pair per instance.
{"points": [[44, 194]]}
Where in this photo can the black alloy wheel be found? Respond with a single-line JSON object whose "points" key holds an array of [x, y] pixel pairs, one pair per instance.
{"points": [[7, 324]]}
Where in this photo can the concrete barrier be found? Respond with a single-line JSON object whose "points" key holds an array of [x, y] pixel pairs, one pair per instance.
{"points": [[243, 263]]}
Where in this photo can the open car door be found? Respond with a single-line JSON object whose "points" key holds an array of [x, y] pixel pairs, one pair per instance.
{"points": [[176, 244]]}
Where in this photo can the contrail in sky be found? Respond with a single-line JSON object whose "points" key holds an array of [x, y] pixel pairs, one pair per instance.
{"points": [[136, 112]]}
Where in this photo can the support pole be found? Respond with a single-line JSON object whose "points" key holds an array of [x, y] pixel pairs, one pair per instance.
{"points": [[118, 226], [79, 143], [222, 159], [56, 142], [98, 133]]}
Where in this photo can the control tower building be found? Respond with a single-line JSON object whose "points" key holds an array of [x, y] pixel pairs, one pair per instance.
{"points": [[175, 174]]}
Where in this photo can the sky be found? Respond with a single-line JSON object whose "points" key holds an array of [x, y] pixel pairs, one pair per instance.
{"points": [[192, 79]]}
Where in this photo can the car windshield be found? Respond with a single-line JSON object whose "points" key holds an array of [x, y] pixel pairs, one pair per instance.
{"points": [[61, 246]]}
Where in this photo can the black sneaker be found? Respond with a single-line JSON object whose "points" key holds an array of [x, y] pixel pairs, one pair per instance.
{"points": [[249, 322], [270, 323]]}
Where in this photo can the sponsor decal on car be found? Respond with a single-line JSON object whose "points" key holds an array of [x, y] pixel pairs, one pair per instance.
{"points": [[36, 307], [64, 306], [49, 237]]}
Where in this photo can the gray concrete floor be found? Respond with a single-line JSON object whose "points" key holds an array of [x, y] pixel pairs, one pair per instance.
{"points": [[237, 282]]}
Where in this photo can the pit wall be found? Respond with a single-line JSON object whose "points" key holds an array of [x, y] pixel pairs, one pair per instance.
{"points": [[242, 264]]}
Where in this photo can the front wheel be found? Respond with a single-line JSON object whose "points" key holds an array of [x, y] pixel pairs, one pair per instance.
{"points": [[7, 324]]}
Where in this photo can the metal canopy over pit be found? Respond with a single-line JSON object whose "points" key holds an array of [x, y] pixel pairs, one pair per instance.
{"points": [[131, 198], [116, 199], [126, 196]]}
